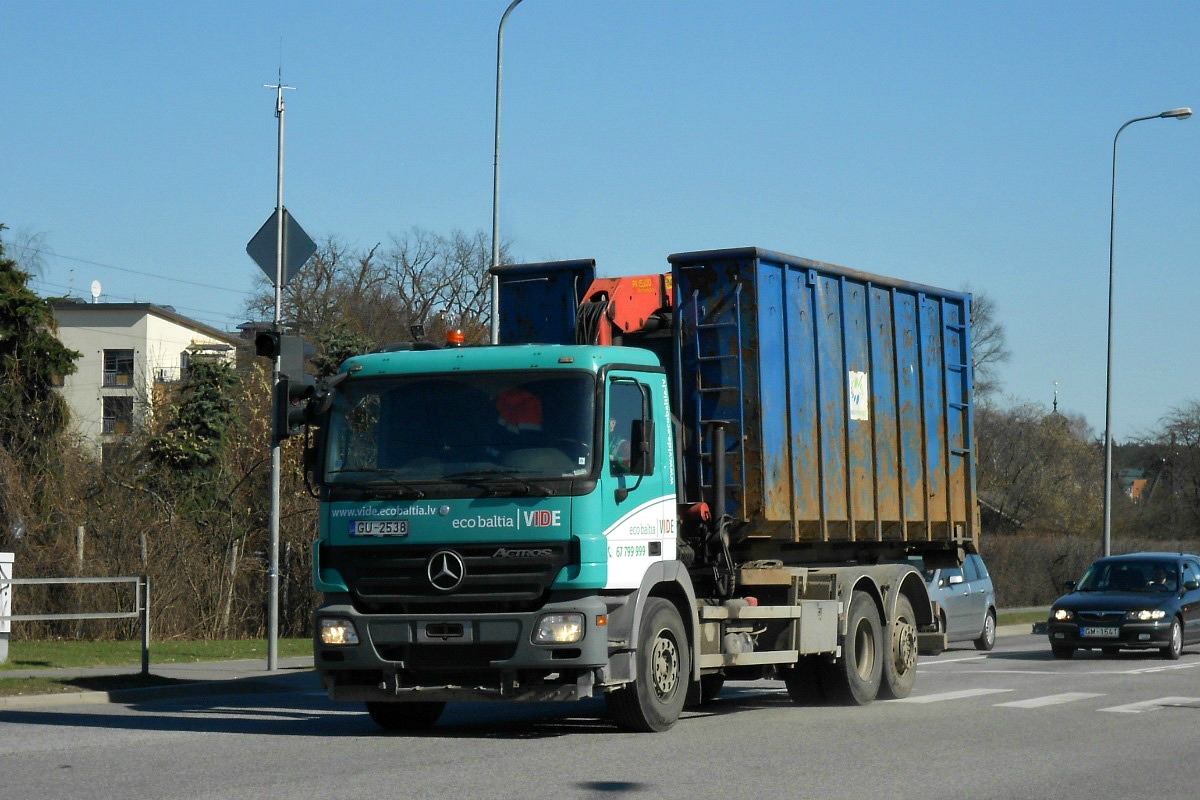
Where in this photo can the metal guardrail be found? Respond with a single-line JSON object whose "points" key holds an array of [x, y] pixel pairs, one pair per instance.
{"points": [[141, 602]]}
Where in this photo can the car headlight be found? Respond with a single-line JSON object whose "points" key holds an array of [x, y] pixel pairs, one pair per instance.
{"points": [[337, 631], [558, 628], [1146, 614], [1061, 614]]}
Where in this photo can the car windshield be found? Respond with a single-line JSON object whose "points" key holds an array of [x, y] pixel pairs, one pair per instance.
{"points": [[470, 428], [1130, 576]]}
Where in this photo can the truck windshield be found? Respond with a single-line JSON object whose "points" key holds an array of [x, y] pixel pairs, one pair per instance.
{"points": [[470, 427]]}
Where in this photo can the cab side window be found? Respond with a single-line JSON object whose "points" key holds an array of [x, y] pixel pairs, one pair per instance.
{"points": [[627, 407]]}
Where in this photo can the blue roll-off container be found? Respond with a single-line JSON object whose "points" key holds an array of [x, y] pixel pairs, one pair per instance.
{"points": [[846, 398]]}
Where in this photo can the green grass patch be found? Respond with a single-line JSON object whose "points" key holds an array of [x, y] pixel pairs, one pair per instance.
{"points": [[23, 656], [1023, 616]]}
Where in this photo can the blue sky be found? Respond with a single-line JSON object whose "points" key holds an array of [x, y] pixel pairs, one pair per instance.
{"points": [[959, 144]]}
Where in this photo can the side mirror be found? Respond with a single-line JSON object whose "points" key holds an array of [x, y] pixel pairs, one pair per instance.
{"points": [[641, 455], [642, 447], [1070, 586], [1191, 586]]}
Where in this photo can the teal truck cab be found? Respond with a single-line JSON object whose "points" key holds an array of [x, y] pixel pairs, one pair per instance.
{"points": [[656, 483]]}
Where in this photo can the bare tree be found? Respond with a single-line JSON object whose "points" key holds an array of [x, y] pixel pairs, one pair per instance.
{"points": [[1040, 472], [377, 295], [989, 346]]}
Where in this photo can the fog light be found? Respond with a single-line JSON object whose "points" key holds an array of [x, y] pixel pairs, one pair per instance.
{"points": [[335, 631], [558, 629]]}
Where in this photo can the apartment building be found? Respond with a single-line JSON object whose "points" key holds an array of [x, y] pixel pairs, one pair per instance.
{"points": [[129, 352]]}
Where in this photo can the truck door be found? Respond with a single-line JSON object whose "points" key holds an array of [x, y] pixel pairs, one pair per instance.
{"points": [[638, 490]]}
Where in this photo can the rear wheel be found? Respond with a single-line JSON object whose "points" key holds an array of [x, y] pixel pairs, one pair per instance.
{"points": [[1174, 647], [405, 716], [1062, 650], [900, 663], [987, 639], [854, 678], [653, 701]]}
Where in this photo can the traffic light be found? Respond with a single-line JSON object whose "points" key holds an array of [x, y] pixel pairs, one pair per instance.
{"points": [[294, 354], [295, 387], [267, 343], [292, 405]]}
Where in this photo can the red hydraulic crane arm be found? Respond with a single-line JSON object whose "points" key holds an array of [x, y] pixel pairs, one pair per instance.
{"points": [[630, 304]]}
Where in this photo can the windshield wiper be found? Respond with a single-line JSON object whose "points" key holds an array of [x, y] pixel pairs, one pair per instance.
{"points": [[482, 477], [390, 482]]}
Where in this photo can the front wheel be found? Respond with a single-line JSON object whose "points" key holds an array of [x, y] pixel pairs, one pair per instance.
{"points": [[405, 716], [854, 678], [987, 639], [1174, 648], [664, 669]]}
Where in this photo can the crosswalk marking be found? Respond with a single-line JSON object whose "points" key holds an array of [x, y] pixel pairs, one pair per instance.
{"points": [[959, 695], [1153, 705], [1050, 700]]}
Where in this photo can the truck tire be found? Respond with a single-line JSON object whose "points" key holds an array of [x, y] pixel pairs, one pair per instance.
{"points": [[900, 663], [854, 678], [405, 716], [664, 667]]}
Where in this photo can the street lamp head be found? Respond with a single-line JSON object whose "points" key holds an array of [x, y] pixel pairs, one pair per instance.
{"points": [[1177, 113]]}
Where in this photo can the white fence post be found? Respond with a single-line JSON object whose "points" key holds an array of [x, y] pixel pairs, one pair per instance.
{"points": [[6, 574]]}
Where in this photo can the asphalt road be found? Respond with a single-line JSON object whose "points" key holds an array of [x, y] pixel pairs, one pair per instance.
{"points": [[1013, 723]]}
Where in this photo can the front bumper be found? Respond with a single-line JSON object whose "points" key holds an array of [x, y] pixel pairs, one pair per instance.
{"points": [[1132, 635], [461, 657]]}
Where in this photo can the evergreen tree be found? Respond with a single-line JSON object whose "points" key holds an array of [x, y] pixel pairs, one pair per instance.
{"points": [[201, 422], [32, 413]]}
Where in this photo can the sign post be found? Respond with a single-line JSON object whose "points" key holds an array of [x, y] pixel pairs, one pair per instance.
{"points": [[280, 248]]}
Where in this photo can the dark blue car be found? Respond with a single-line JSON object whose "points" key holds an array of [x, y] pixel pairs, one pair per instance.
{"points": [[1134, 601]]}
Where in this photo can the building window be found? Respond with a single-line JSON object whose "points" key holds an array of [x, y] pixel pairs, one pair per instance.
{"points": [[118, 368], [118, 416]]}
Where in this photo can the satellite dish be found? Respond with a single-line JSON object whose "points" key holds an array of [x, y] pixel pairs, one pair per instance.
{"points": [[95, 291]]}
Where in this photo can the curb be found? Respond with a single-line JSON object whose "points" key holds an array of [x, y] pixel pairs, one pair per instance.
{"points": [[200, 688]]}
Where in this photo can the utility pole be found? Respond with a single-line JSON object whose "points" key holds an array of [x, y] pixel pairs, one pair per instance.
{"points": [[273, 569]]}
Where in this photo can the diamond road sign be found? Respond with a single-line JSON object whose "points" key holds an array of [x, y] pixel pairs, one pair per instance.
{"points": [[297, 246]]}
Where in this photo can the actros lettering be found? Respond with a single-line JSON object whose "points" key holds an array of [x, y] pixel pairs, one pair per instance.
{"points": [[523, 552]]}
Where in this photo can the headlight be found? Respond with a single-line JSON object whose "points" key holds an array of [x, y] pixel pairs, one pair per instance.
{"points": [[558, 629], [336, 631], [1061, 614], [1146, 614]]}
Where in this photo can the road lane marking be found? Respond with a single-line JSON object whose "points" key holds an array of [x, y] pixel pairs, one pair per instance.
{"points": [[1049, 700], [953, 660], [959, 695], [1165, 668], [1153, 705]]}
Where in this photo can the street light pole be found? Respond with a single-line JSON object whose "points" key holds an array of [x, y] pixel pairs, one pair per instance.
{"points": [[1174, 113], [495, 336]]}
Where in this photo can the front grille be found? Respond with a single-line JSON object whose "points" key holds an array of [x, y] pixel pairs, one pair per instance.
{"points": [[1100, 617], [447, 657], [394, 579]]}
